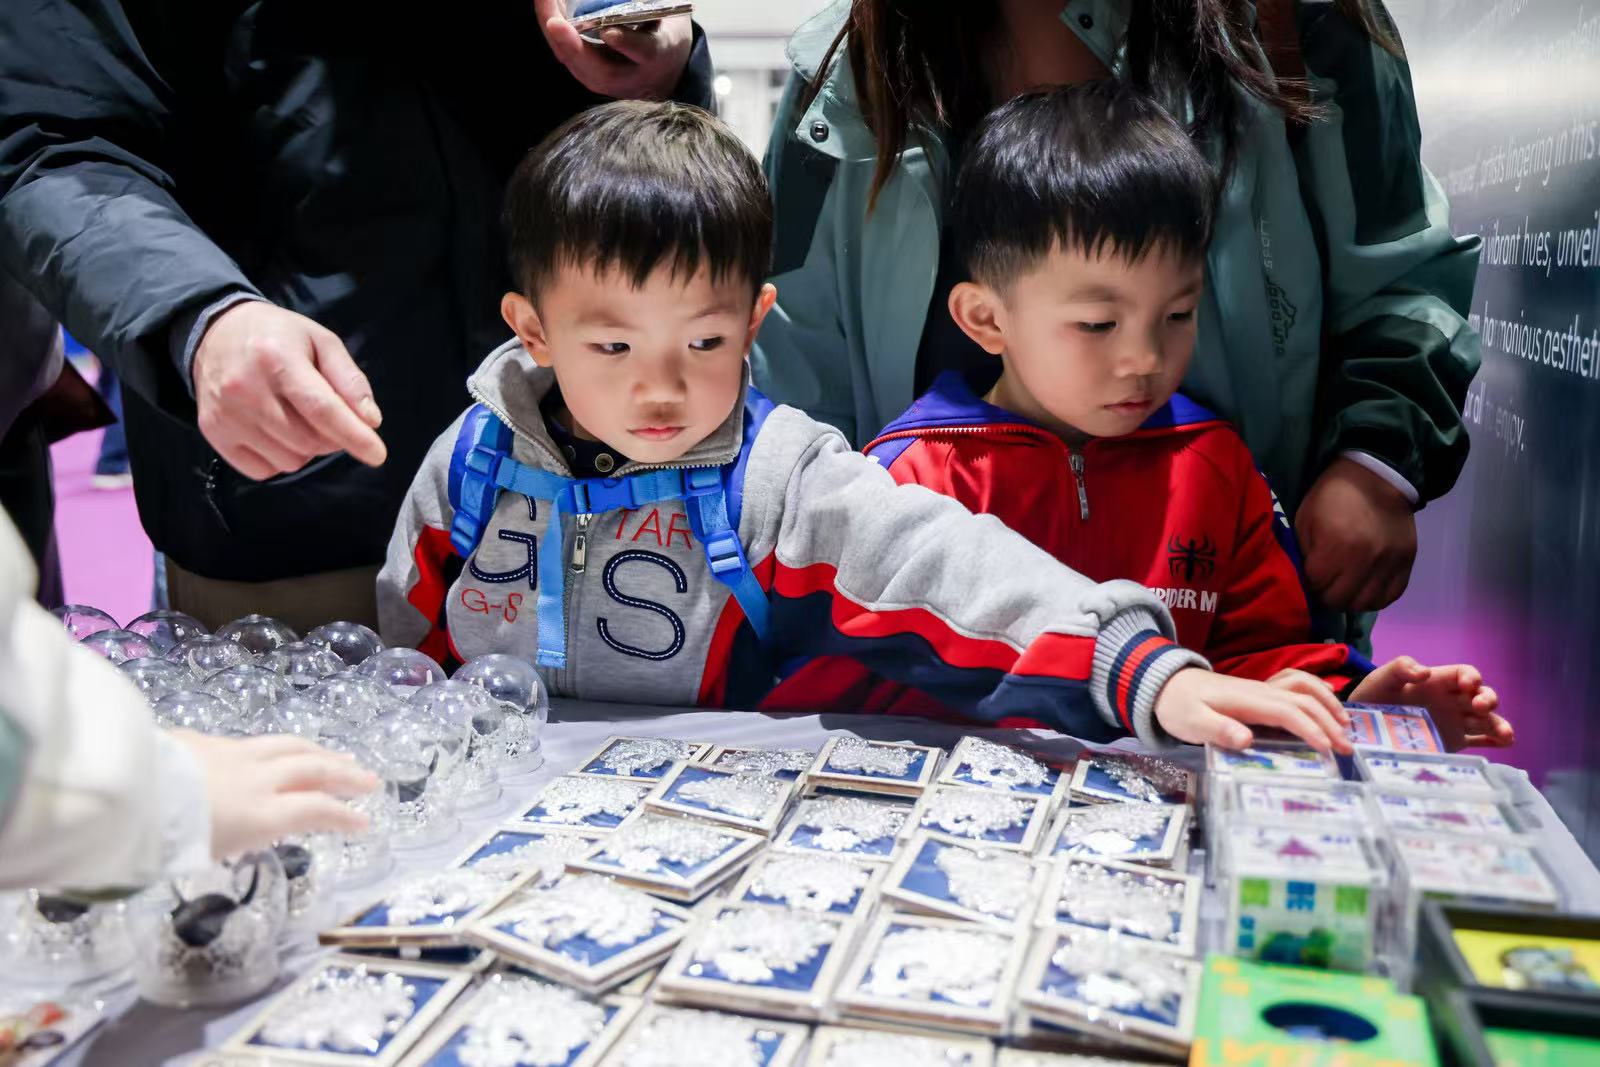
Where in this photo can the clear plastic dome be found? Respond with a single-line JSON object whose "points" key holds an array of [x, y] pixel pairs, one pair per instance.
{"points": [[403, 667], [193, 709], [311, 867], [302, 664], [165, 629], [366, 856], [468, 707], [204, 656], [211, 936], [252, 691], [155, 678], [298, 715], [258, 633], [517, 686], [351, 702], [60, 941], [118, 646], [81, 620], [419, 755], [350, 641]]}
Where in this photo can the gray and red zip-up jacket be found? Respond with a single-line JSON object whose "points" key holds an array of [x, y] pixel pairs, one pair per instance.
{"points": [[902, 579]]}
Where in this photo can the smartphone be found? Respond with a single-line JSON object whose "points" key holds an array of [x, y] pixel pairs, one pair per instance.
{"points": [[590, 18]]}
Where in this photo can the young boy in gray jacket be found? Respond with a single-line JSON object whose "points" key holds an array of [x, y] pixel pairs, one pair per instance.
{"points": [[623, 507]]}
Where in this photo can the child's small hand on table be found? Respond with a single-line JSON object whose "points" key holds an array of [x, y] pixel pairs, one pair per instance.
{"points": [[1202, 707], [1463, 708]]}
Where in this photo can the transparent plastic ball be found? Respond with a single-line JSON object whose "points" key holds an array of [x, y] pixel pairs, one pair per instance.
{"points": [[81, 620], [350, 701], [155, 678], [211, 936], [296, 714], [301, 664], [251, 690], [419, 755], [350, 641], [118, 646], [403, 667], [516, 685], [165, 629], [467, 706], [366, 855], [193, 709], [58, 941], [311, 867], [204, 656], [258, 633]]}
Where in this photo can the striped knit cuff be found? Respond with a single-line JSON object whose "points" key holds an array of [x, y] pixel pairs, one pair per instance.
{"points": [[1132, 661]]}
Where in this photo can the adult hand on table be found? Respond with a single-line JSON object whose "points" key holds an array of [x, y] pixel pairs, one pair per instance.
{"points": [[275, 390], [1359, 538], [633, 64]]}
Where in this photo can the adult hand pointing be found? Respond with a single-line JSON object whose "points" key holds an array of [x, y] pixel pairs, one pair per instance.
{"points": [[275, 390], [634, 63]]}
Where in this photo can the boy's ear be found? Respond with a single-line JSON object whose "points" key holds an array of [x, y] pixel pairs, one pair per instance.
{"points": [[519, 313], [977, 310], [764, 301]]}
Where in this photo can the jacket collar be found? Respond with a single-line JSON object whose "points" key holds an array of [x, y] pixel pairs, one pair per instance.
{"points": [[950, 403], [512, 385]]}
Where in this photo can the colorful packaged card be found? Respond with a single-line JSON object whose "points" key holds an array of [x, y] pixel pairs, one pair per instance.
{"points": [[1141, 995], [944, 973], [1123, 777], [584, 802], [851, 1046], [1272, 759], [1463, 777], [786, 763], [1326, 805], [516, 1019], [646, 759], [860, 765], [1150, 834], [662, 1035], [765, 961], [868, 828], [1430, 814], [1461, 868], [976, 761], [999, 820], [810, 882], [680, 859], [754, 802], [944, 875], [1158, 907], [1531, 962]]}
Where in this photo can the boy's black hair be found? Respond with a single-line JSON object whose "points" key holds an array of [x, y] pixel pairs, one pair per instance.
{"points": [[1095, 167], [632, 185]]}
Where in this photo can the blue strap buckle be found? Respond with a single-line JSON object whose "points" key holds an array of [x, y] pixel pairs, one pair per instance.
{"points": [[477, 494], [724, 553]]}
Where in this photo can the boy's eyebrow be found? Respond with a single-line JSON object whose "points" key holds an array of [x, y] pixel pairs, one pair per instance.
{"points": [[725, 307], [602, 318], [1095, 291]]}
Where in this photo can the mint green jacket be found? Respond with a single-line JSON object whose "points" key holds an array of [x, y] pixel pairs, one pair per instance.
{"points": [[1333, 318]]}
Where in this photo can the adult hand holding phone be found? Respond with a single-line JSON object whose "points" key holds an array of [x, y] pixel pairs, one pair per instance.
{"points": [[634, 63]]}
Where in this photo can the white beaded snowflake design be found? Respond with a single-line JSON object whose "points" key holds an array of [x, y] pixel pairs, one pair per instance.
{"points": [[751, 945], [343, 1011], [867, 1049], [987, 880], [769, 761], [846, 823], [1146, 778], [432, 895], [653, 840], [574, 800], [957, 966], [548, 856], [704, 1038], [748, 796], [973, 812], [632, 755], [1115, 976], [1111, 829], [855, 756], [523, 1022], [809, 883], [1139, 904], [583, 906], [998, 765]]}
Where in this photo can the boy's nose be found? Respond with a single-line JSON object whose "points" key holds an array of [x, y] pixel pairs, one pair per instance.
{"points": [[1140, 361], [661, 383]]}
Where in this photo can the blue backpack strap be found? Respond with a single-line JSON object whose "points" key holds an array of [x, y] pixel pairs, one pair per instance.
{"points": [[481, 443]]}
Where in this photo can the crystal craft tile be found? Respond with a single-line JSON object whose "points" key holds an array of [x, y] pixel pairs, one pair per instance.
{"points": [[1136, 833], [1161, 907], [1002, 820], [423, 909], [762, 960], [809, 882], [1107, 985], [516, 1021], [510, 853], [585, 802], [861, 827], [786, 763], [674, 857], [981, 763], [1104, 776], [944, 972], [643, 758], [848, 1046], [875, 766], [754, 802], [963, 880], [667, 1037]]}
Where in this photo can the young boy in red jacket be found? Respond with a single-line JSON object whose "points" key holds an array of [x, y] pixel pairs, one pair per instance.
{"points": [[1083, 215]]}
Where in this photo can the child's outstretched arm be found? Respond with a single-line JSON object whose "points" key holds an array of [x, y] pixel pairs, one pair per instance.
{"points": [[925, 593], [1463, 708]]}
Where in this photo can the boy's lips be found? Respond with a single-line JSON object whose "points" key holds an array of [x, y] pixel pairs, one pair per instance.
{"points": [[1130, 407], [657, 433]]}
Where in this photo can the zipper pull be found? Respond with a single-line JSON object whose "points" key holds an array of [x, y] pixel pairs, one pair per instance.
{"points": [[580, 545], [1075, 460]]}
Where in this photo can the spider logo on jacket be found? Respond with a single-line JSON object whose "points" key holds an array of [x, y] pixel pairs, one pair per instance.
{"points": [[1188, 560]]}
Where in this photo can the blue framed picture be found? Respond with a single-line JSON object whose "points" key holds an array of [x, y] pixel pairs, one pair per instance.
{"points": [[534, 1020], [646, 759], [875, 766], [839, 824], [947, 973], [1105, 985], [584, 802], [764, 960], [688, 1035], [983, 764], [817, 883], [754, 802], [1002, 820], [965, 880], [677, 858]]}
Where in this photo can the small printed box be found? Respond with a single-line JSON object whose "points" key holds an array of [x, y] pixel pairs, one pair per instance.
{"points": [[867, 828], [584, 930], [1158, 907], [786, 763], [765, 961], [863, 766], [662, 1035], [944, 875], [1300, 804], [644, 759], [925, 971], [680, 859], [1427, 814], [1529, 954], [1140, 995], [513, 1018], [1470, 869], [1151, 834], [852, 1046], [584, 802], [425, 909], [999, 820], [754, 802], [350, 1011], [1306, 897], [1484, 1026], [1462, 777], [810, 882], [1272, 759], [1396, 727], [1119, 777], [981, 763]]}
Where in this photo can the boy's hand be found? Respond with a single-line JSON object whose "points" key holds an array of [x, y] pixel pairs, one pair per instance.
{"points": [[1359, 537], [1202, 707], [634, 64], [1463, 708]]}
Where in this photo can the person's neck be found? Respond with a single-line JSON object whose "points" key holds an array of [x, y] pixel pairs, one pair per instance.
{"points": [[1034, 48], [1010, 395]]}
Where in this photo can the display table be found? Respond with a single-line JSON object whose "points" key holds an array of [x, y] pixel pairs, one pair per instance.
{"points": [[138, 1033]]}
